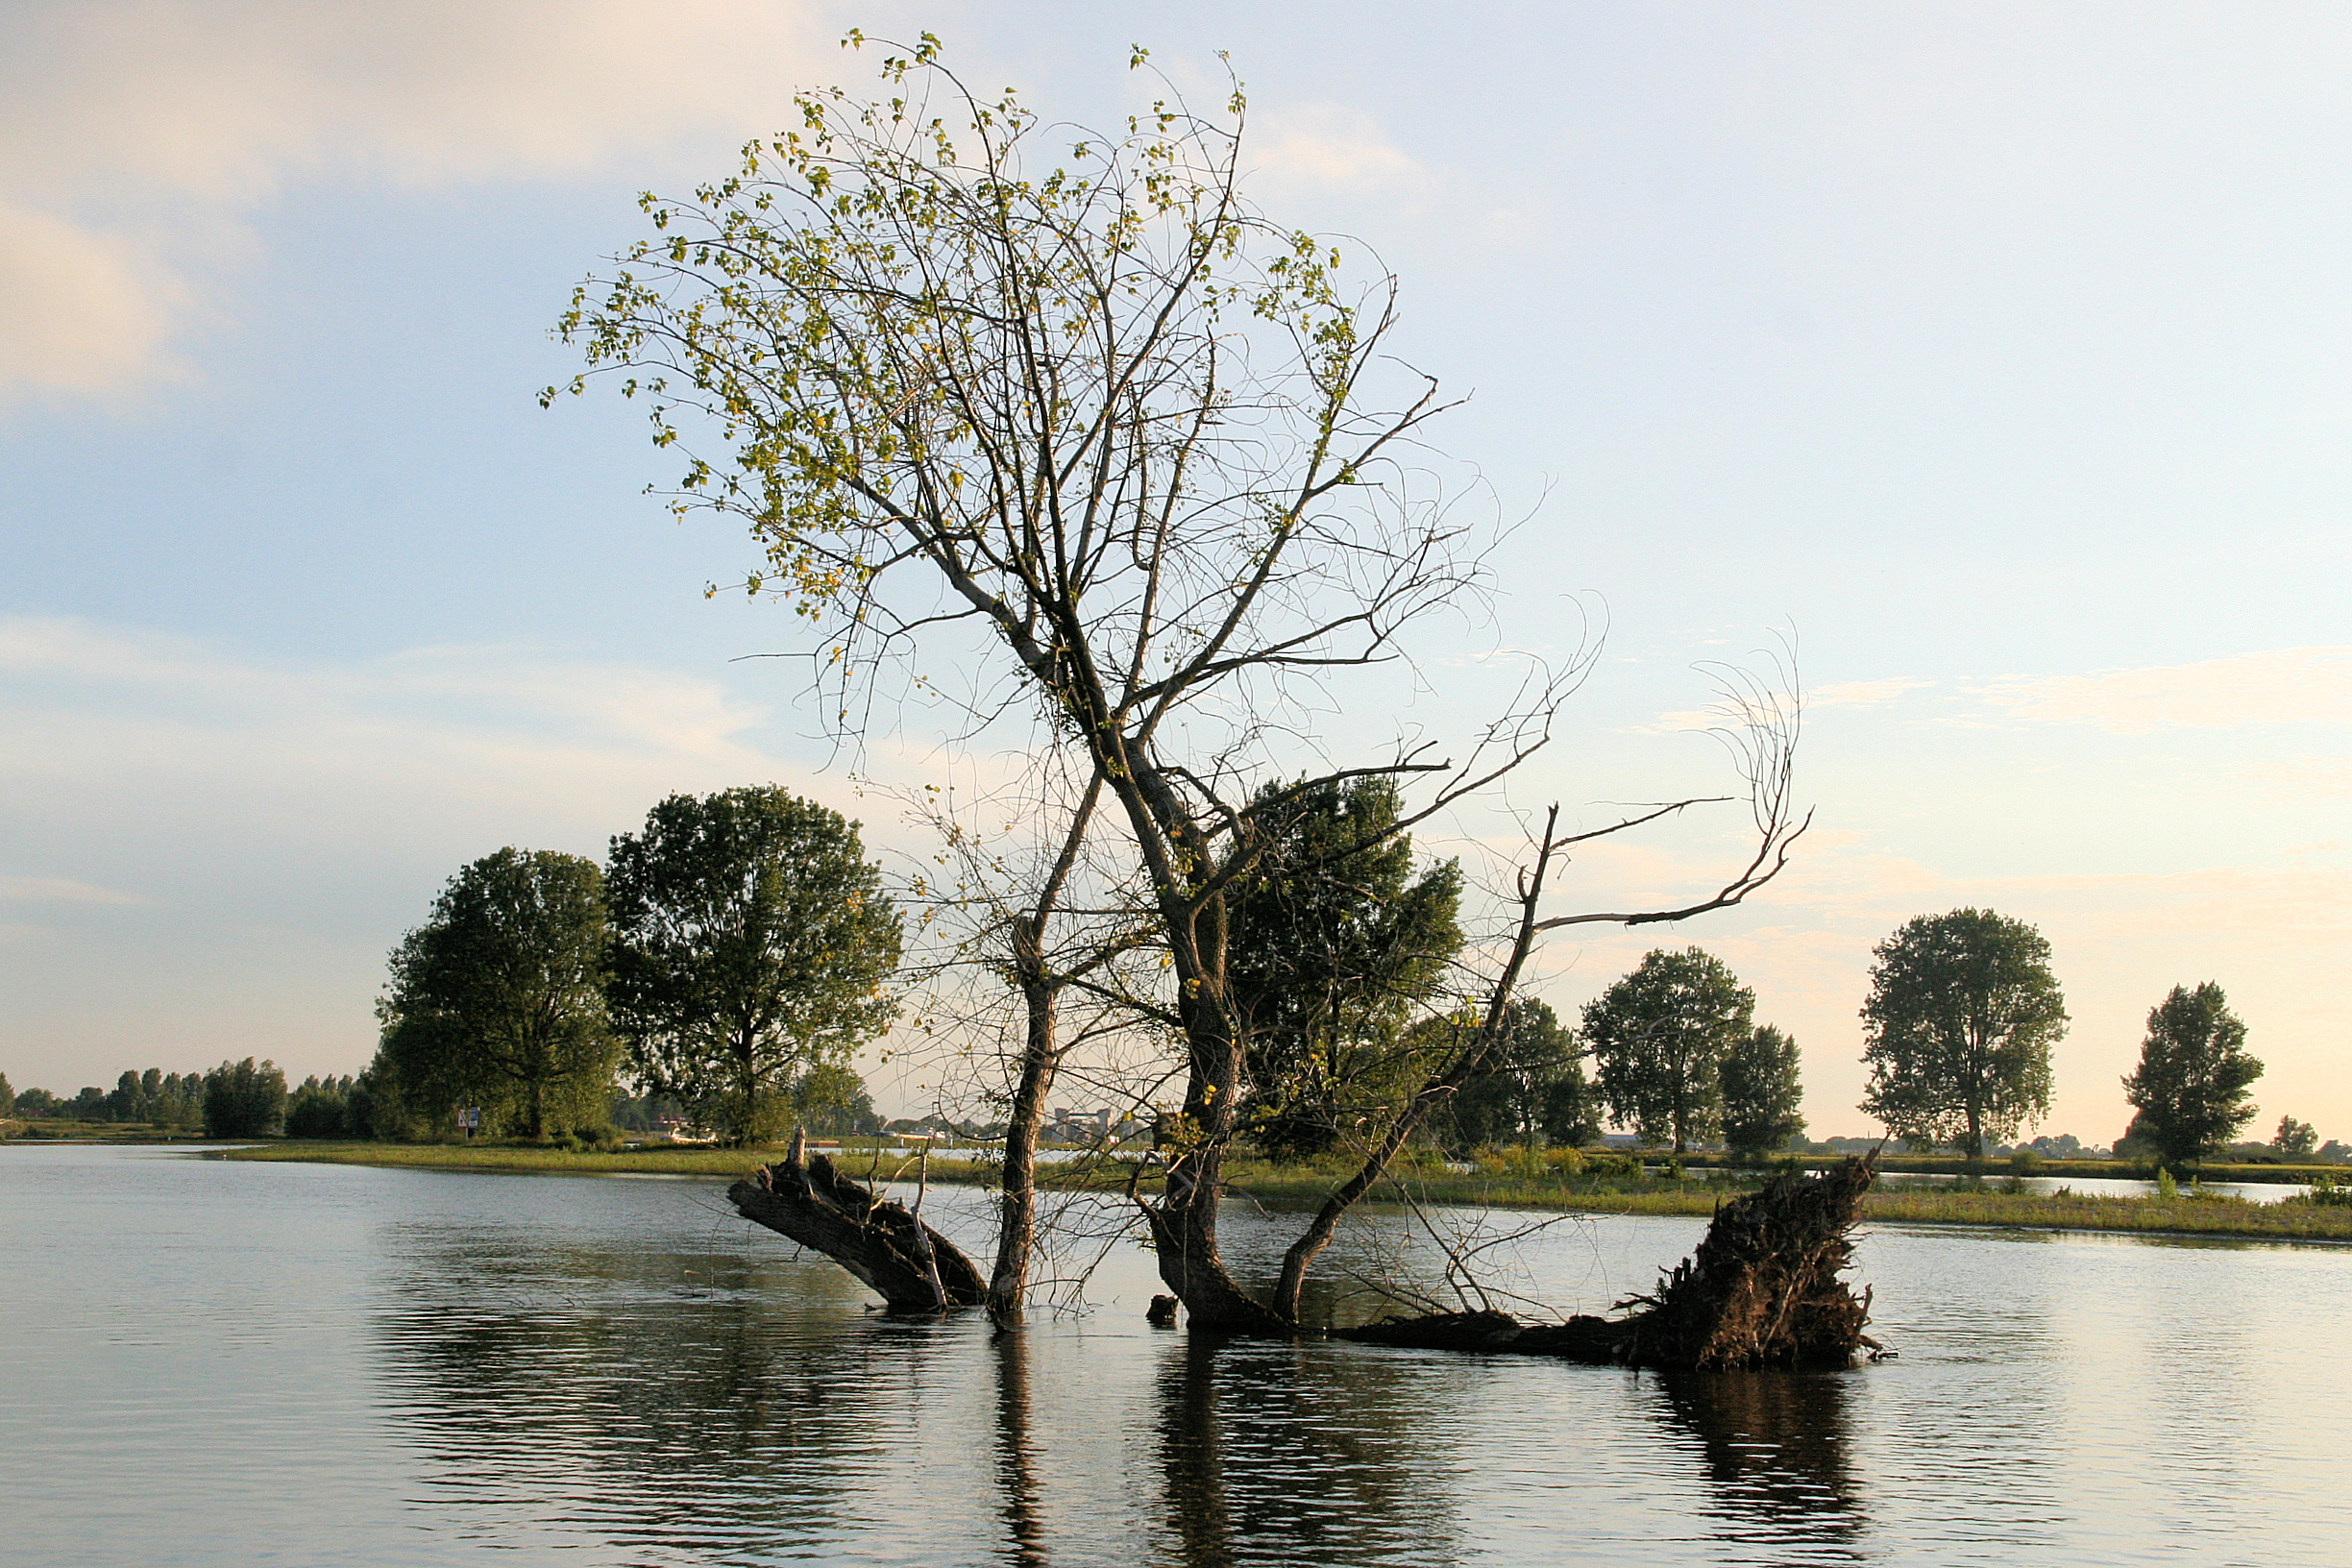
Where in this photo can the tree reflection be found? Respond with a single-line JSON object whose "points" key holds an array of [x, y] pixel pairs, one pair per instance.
{"points": [[1288, 1453], [1015, 1455], [1777, 1447], [556, 1393]]}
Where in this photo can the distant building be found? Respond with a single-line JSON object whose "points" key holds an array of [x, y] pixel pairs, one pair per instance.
{"points": [[676, 1131], [1080, 1126]]}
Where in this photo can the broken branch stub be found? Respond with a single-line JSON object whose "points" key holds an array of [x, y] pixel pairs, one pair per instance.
{"points": [[804, 1197], [1763, 1290]]}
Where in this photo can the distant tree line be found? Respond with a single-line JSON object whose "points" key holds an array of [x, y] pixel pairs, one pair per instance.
{"points": [[1959, 1025], [236, 1099], [730, 958], [728, 963]]}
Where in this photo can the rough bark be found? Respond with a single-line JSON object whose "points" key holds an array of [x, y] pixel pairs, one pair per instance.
{"points": [[803, 1197], [1762, 1291], [1016, 1215]]}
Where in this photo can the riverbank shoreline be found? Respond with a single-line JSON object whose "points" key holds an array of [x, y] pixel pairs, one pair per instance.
{"points": [[2190, 1215]]}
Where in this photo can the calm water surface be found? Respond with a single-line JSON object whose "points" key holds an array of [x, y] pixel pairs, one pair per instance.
{"points": [[218, 1363]]}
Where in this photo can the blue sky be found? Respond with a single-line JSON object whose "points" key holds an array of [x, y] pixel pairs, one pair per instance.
{"points": [[2000, 352]]}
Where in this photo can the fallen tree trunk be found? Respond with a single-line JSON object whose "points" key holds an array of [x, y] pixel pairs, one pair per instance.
{"points": [[1763, 1289], [804, 1197]]}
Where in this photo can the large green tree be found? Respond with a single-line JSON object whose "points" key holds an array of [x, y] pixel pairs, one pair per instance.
{"points": [[1331, 940], [497, 1001], [1659, 1036], [1962, 1013], [1763, 1093], [2189, 1087], [1533, 1089], [754, 943]]}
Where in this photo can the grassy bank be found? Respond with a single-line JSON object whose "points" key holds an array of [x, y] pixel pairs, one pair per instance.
{"points": [[1288, 1187], [48, 1130], [1991, 1208], [663, 1160], [2186, 1215], [1939, 1164]]}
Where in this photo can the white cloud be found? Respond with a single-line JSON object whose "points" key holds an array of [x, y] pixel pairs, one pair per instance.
{"points": [[2326, 779], [1328, 147], [1858, 694], [60, 889], [100, 706], [128, 126], [2286, 686], [86, 310]]}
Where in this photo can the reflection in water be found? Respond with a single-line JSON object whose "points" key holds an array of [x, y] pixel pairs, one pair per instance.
{"points": [[1292, 1453], [1190, 1456], [638, 1411], [405, 1370], [1777, 1460], [1015, 1456]]}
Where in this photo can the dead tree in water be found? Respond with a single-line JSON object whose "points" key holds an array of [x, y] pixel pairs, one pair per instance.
{"points": [[1764, 1289], [910, 1265]]}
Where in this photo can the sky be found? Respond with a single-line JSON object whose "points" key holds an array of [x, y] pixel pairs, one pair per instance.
{"points": [[1998, 355]]}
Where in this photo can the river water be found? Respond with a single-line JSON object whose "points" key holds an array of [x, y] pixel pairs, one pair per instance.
{"points": [[228, 1363]]}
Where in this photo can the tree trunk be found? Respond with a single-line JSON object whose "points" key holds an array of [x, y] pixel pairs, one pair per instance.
{"points": [[803, 1197], [1184, 1236], [746, 1129], [1183, 1223], [1016, 1215]]}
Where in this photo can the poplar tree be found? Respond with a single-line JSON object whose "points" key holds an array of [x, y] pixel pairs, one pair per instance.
{"points": [[1060, 418], [243, 1099], [497, 1002], [2295, 1139], [1763, 1092], [1659, 1037], [1331, 940], [1962, 1013], [2189, 1087], [753, 941], [1532, 1092]]}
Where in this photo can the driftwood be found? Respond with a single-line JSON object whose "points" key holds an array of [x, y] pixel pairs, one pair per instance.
{"points": [[1763, 1289], [910, 1265]]}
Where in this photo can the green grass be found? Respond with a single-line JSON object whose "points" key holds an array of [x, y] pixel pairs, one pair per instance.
{"points": [[54, 1130], [1895, 1163], [1990, 1207], [661, 1159], [2289, 1221], [1293, 1187], [678, 1160]]}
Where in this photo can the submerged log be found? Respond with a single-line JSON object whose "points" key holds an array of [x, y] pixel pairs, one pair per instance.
{"points": [[1763, 1289], [804, 1197]]}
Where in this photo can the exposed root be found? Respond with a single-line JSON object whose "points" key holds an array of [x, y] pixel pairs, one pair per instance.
{"points": [[1763, 1289], [804, 1197]]}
